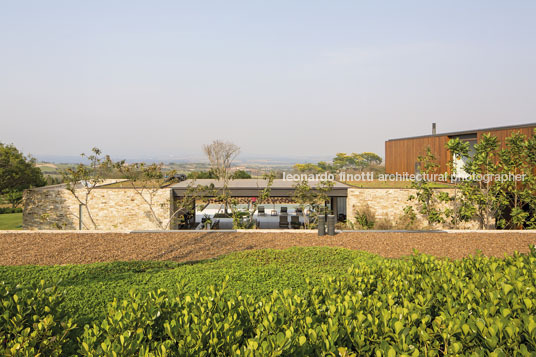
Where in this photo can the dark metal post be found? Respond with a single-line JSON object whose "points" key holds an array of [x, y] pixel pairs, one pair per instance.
{"points": [[172, 218], [80, 216], [331, 225], [321, 225]]}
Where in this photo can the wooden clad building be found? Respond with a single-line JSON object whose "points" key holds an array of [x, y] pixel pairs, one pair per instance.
{"points": [[401, 155]]}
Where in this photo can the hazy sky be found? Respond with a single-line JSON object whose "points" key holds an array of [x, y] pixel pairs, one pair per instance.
{"points": [[295, 78]]}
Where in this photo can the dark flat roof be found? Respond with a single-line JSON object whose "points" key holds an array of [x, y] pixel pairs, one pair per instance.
{"points": [[252, 187], [529, 125]]}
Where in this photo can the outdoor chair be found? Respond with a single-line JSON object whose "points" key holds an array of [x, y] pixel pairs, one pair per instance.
{"points": [[299, 211], [283, 222], [295, 222], [284, 210], [261, 211]]}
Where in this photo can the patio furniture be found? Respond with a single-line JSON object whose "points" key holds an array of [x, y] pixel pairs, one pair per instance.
{"points": [[261, 211], [283, 221], [299, 211], [273, 213], [284, 210], [295, 222]]}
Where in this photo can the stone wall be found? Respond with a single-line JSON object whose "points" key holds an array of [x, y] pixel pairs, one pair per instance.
{"points": [[110, 208], [388, 207], [125, 209]]}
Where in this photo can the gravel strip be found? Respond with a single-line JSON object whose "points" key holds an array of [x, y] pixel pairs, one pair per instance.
{"points": [[75, 248]]}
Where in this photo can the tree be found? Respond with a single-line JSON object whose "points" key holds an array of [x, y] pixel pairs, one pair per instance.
{"points": [[326, 167], [202, 175], [371, 158], [482, 194], [308, 168], [460, 210], [313, 197], [17, 173], [518, 198], [221, 156], [244, 219], [240, 174], [428, 200], [183, 208], [355, 160], [82, 179], [344, 161], [146, 181], [490, 189]]}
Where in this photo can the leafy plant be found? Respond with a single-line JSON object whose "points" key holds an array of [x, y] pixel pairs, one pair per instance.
{"points": [[313, 198], [31, 323], [414, 306], [492, 191], [365, 217], [421, 306], [244, 219], [430, 203], [518, 196]]}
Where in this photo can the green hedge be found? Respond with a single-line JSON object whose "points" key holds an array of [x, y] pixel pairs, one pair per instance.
{"points": [[421, 306], [4, 210], [31, 322]]}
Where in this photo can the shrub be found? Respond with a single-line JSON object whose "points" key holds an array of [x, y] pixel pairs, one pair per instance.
{"points": [[31, 323], [421, 306], [385, 224], [477, 306], [5, 210], [365, 217]]}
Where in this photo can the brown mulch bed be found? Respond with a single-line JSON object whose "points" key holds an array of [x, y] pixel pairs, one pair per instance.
{"points": [[73, 248]]}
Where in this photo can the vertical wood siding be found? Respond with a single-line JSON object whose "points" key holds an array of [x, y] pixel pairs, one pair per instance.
{"points": [[401, 155]]}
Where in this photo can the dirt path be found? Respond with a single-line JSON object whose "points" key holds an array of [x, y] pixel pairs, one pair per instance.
{"points": [[73, 248]]}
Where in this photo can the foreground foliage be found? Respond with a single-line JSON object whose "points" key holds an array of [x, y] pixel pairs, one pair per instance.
{"points": [[420, 306], [31, 322]]}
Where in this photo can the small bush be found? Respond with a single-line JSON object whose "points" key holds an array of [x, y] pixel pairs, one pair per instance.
{"points": [[421, 306], [384, 224], [31, 323], [365, 217], [5, 210], [408, 220]]}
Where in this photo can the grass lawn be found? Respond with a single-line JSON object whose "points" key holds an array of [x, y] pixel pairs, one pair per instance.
{"points": [[391, 184], [90, 287], [128, 184], [10, 221]]}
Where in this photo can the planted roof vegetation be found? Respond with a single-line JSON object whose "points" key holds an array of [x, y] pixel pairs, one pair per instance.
{"points": [[297, 302]]}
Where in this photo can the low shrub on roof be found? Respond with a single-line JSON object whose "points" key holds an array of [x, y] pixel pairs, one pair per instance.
{"points": [[421, 306]]}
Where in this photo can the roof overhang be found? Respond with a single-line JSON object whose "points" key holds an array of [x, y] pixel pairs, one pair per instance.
{"points": [[468, 132], [254, 187]]}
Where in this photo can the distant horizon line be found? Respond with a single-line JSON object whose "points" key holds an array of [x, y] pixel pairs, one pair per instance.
{"points": [[60, 159]]}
